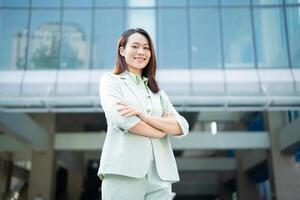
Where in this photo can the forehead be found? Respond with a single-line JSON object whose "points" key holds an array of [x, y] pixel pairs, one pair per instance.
{"points": [[137, 38]]}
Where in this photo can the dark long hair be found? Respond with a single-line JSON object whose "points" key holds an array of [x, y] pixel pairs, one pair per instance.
{"points": [[149, 71]]}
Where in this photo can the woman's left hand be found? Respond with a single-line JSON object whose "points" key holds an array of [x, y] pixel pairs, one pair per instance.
{"points": [[128, 111]]}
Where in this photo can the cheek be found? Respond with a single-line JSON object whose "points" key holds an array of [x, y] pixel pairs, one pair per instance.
{"points": [[149, 55]]}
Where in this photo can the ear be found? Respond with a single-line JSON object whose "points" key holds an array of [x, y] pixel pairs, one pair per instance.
{"points": [[122, 51]]}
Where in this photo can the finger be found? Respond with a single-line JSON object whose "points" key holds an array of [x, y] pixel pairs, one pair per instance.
{"points": [[166, 115], [129, 113], [122, 103], [126, 111], [133, 113]]}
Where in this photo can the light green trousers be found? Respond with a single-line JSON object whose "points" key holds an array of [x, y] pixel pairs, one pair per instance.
{"points": [[151, 187]]}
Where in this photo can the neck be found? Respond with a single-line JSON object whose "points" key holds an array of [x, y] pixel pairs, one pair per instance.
{"points": [[136, 72]]}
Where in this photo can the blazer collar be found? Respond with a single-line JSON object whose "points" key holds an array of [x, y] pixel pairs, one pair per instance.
{"points": [[136, 78], [133, 86]]}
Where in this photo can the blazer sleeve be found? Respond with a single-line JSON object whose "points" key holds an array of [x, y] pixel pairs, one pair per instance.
{"points": [[168, 107], [110, 94]]}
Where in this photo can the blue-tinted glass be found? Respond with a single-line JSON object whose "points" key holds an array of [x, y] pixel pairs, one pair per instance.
{"points": [[44, 39], [142, 18], [293, 22], [270, 37], [107, 33], [138, 3], [172, 2], [173, 38], [76, 39], [78, 3], [205, 38], [13, 38], [14, 3], [237, 37], [46, 3], [266, 2], [203, 2], [292, 1], [109, 2], [235, 2]]}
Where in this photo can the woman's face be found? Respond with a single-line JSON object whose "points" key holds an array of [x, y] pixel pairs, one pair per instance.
{"points": [[136, 53]]}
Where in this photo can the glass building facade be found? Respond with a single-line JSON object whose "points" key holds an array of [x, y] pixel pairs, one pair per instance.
{"points": [[188, 34], [235, 63]]}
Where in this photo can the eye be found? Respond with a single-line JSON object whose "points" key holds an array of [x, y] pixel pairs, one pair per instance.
{"points": [[146, 48], [134, 46]]}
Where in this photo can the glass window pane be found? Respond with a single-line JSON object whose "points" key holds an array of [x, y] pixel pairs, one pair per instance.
{"points": [[107, 33], [142, 18], [76, 39], [78, 3], [293, 22], [14, 3], [266, 2], [235, 2], [292, 1], [172, 2], [139, 3], [44, 39], [46, 3], [203, 2], [13, 38], [237, 37], [109, 2], [205, 38], [173, 39], [270, 37]]}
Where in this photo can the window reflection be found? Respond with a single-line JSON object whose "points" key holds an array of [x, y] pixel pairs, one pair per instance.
{"points": [[172, 2], [13, 38], [142, 19], [75, 42], [270, 37], [173, 38], [292, 1], [203, 2], [267, 2], [293, 19], [205, 38], [139, 3], [237, 37], [107, 33], [14, 3], [109, 2], [78, 3], [235, 2], [46, 3], [44, 39]]}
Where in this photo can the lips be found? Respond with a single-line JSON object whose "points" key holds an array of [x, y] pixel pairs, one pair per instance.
{"points": [[140, 58]]}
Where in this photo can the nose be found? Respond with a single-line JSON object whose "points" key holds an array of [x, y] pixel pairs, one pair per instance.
{"points": [[141, 51]]}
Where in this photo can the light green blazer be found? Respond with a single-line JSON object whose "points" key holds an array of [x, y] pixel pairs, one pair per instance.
{"points": [[128, 154]]}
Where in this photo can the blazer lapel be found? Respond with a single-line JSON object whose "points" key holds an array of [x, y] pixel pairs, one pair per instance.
{"points": [[134, 89]]}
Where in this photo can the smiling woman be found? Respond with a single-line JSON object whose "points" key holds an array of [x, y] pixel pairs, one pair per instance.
{"points": [[137, 160], [136, 53]]}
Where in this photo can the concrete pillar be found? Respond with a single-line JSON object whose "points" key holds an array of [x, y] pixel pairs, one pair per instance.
{"points": [[246, 190], [6, 167], [43, 164], [284, 173]]}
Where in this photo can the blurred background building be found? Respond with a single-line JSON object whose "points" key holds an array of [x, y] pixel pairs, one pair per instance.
{"points": [[231, 67]]}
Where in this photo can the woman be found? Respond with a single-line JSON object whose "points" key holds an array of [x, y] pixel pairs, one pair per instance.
{"points": [[137, 160]]}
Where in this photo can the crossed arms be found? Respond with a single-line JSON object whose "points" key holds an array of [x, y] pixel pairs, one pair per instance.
{"points": [[150, 126], [129, 118]]}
